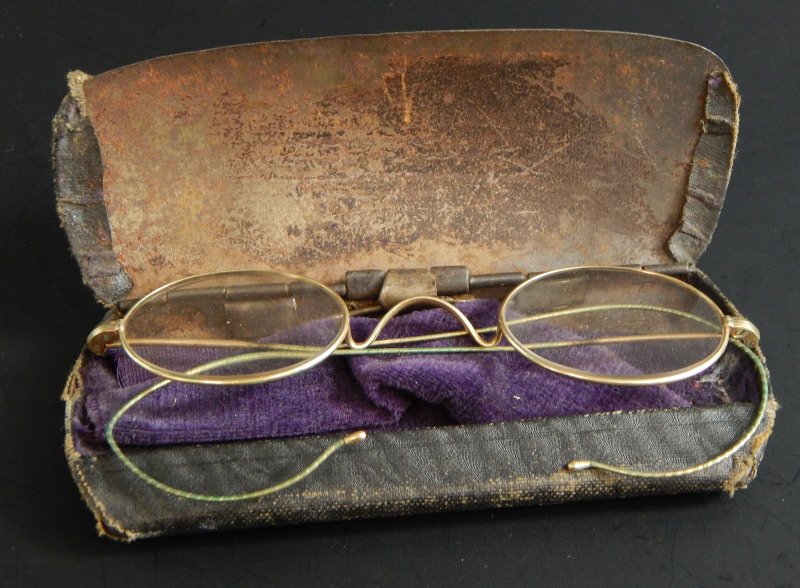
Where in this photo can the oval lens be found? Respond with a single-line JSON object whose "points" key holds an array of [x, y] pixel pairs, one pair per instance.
{"points": [[614, 325], [234, 327]]}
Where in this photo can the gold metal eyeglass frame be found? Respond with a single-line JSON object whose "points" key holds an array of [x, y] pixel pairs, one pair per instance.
{"points": [[739, 330], [342, 341]]}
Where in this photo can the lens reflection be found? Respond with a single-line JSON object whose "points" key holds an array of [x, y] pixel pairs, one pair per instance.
{"points": [[233, 325], [615, 323]]}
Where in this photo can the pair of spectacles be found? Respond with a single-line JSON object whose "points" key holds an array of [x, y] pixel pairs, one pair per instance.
{"points": [[259, 326], [609, 325]]}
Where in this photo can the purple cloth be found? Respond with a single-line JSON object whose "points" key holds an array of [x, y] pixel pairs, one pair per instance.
{"points": [[376, 392]]}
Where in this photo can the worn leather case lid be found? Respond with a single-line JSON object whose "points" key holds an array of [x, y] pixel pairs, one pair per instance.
{"points": [[498, 150]]}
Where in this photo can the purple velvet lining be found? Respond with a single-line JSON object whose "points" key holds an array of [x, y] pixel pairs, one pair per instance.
{"points": [[376, 392]]}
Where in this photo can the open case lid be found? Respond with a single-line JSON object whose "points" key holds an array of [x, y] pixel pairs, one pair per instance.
{"points": [[498, 150]]}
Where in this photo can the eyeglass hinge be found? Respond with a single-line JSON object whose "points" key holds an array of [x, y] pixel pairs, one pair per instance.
{"points": [[103, 336], [743, 330]]}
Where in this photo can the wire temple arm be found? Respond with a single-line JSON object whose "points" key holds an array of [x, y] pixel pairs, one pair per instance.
{"points": [[350, 439], [584, 464]]}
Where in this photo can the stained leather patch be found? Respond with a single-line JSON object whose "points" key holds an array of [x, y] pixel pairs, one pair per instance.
{"points": [[500, 151]]}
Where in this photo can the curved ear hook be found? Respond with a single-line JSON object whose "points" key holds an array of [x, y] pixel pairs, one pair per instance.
{"points": [[350, 439], [761, 410], [432, 301]]}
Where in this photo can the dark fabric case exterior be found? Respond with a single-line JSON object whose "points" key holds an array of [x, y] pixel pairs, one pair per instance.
{"points": [[498, 150]]}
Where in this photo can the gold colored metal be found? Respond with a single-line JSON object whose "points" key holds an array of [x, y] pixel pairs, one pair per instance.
{"points": [[350, 439], [103, 336], [356, 437], [382, 346], [758, 416], [743, 330], [200, 378], [348, 349], [430, 301], [114, 333], [616, 380]]}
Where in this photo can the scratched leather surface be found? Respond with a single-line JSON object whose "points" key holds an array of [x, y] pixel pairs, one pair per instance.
{"points": [[529, 149], [80, 205]]}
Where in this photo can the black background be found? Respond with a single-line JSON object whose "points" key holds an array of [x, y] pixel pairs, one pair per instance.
{"points": [[46, 534]]}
